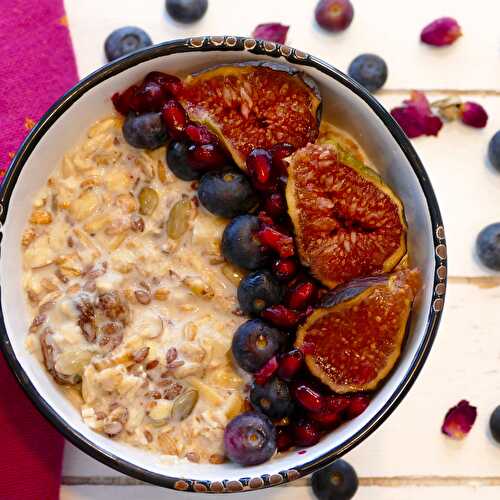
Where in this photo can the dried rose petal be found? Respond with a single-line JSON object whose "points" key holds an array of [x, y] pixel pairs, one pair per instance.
{"points": [[473, 114], [416, 117], [459, 420], [442, 31], [273, 32]]}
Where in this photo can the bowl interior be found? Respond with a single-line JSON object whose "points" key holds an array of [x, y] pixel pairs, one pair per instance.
{"points": [[348, 111]]}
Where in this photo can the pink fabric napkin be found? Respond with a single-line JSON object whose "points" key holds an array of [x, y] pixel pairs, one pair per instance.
{"points": [[37, 66]]}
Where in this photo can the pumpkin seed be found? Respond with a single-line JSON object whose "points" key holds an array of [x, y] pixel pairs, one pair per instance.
{"points": [[178, 219], [148, 201], [184, 404]]}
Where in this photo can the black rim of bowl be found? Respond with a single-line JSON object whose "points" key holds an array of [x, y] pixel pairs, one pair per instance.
{"points": [[272, 50]]}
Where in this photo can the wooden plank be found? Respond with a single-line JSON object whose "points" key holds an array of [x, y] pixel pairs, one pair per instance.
{"points": [[464, 363], [283, 493]]}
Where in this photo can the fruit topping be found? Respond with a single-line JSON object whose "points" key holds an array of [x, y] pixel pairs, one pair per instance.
{"points": [[308, 397], [240, 245], [257, 291], [255, 343], [273, 398], [266, 372], [369, 70], [459, 420], [474, 115], [338, 481], [357, 405], [178, 162], [495, 424], [488, 246], [259, 164], [355, 339], [416, 117], [206, 156], [275, 205], [227, 193], [199, 134], [254, 105], [186, 11], [334, 15], [442, 31], [281, 316], [494, 150], [290, 364], [174, 117], [250, 439], [170, 84], [304, 432], [273, 32], [279, 153], [125, 40], [145, 131], [272, 238], [285, 269], [284, 440], [347, 222], [301, 295]]}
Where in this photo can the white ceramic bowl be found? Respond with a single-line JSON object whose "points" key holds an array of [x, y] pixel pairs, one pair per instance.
{"points": [[351, 108]]}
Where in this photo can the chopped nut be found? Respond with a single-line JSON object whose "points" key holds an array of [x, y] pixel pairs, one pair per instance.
{"points": [[216, 458], [38, 320], [171, 355], [137, 223], [152, 364], [148, 436], [161, 294], [142, 296], [113, 428], [199, 287], [140, 355], [40, 216], [28, 236], [127, 202]]}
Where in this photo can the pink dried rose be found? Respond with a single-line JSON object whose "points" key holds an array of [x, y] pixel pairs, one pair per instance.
{"points": [[273, 32], [459, 420], [416, 117], [473, 114], [442, 31]]}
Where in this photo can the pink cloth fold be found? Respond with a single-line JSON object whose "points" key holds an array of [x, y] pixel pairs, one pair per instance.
{"points": [[37, 66]]}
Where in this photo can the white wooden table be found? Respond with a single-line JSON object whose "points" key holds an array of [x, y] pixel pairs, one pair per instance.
{"points": [[407, 458]]}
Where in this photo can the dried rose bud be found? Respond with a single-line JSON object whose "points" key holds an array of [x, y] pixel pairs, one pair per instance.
{"points": [[473, 114], [459, 420], [442, 31], [273, 32], [416, 117]]}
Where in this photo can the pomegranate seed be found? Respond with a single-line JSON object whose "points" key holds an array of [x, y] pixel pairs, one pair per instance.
{"points": [[124, 101], [275, 205], [174, 117], [205, 156], [281, 316], [260, 167], [290, 364], [284, 439], [301, 295], [336, 404], [170, 84], [305, 433], [326, 419], [357, 406], [148, 97], [285, 269], [307, 397], [266, 372], [279, 242], [199, 134], [279, 152]]}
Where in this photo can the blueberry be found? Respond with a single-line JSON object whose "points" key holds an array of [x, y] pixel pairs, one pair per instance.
{"points": [[495, 424], [186, 11], [338, 481], [124, 41], [273, 398], [494, 150], [240, 245], [227, 193], [255, 343], [257, 291], [488, 246], [369, 70], [250, 439], [145, 131], [334, 15], [178, 163]]}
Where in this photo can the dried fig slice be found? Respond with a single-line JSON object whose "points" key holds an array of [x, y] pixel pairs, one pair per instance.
{"points": [[254, 105], [347, 222], [354, 340]]}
